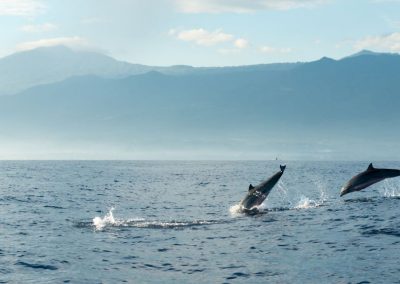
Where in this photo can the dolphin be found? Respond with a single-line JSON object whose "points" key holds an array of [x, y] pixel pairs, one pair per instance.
{"points": [[367, 178], [257, 194]]}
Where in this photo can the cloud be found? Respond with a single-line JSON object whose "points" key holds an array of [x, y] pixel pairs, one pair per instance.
{"points": [[21, 7], [241, 43], [231, 44], [271, 49], [202, 36], [46, 27], [242, 6], [389, 42], [72, 42]]}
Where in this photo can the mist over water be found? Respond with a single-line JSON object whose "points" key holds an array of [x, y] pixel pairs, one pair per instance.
{"points": [[168, 222]]}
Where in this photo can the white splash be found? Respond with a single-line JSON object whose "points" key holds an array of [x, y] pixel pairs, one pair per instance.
{"points": [[306, 203], [236, 209], [99, 223], [390, 189], [109, 220], [263, 206], [322, 190]]}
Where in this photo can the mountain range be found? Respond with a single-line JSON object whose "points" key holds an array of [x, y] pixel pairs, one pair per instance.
{"points": [[45, 65], [70, 104]]}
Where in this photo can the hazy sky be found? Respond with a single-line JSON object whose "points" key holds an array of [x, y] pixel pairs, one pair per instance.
{"points": [[204, 32]]}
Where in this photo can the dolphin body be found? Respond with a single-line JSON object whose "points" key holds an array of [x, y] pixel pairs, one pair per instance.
{"points": [[367, 178], [257, 194]]}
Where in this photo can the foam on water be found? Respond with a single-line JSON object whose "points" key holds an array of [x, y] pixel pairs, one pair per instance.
{"points": [[110, 221], [306, 203], [236, 209]]}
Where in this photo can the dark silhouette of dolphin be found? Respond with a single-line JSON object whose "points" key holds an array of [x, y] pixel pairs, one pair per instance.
{"points": [[257, 194], [367, 178]]}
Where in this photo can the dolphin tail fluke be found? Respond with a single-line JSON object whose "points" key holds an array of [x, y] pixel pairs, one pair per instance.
{"points": [[283, 168]]}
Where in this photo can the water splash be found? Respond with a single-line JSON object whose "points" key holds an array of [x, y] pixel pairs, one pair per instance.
{"points": [[285, 201], [306, 203], [236, 210], [283, 194], [321, 185], [390, 189], [99, 223], [110, 221]]}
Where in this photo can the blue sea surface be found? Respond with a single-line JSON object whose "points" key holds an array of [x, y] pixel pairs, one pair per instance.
{"points": [[177, 222]]}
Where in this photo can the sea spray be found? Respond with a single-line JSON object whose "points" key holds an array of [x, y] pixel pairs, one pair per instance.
{"points": [[109, 220], [99, 223], [236, 210], [283, 194], [390, 189], [305, 203]]}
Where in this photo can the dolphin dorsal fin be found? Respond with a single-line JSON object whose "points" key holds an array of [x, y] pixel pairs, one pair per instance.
{"points": [[370, 167], [251, 187]]}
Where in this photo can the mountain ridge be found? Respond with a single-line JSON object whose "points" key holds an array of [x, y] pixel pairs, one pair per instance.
{"points": [[324, 109]]}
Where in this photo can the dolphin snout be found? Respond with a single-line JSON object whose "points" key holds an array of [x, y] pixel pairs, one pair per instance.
{"points": [[344, 191]]}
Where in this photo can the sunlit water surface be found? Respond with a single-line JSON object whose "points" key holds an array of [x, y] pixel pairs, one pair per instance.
{"points": [[169, 222]]}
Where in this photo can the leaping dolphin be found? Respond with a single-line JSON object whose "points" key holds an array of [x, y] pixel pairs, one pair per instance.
{"points": [[367, 178], [257, 194]]}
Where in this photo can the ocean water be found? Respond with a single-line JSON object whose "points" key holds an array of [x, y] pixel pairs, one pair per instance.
{"points": [[177, 222]]}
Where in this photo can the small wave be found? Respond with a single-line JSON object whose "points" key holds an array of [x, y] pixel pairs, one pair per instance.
{"points": [[383, 231], [37, 266], [110, 221], [360, 199], [277, 209], [53, 206]]}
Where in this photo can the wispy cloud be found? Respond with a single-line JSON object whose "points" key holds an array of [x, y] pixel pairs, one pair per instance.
{"points": [[73, 42], [241, 43], [202, 36], [231, 43], [40, 28], [389, 42], [271, 49], [21, 7], [242, 6]]}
